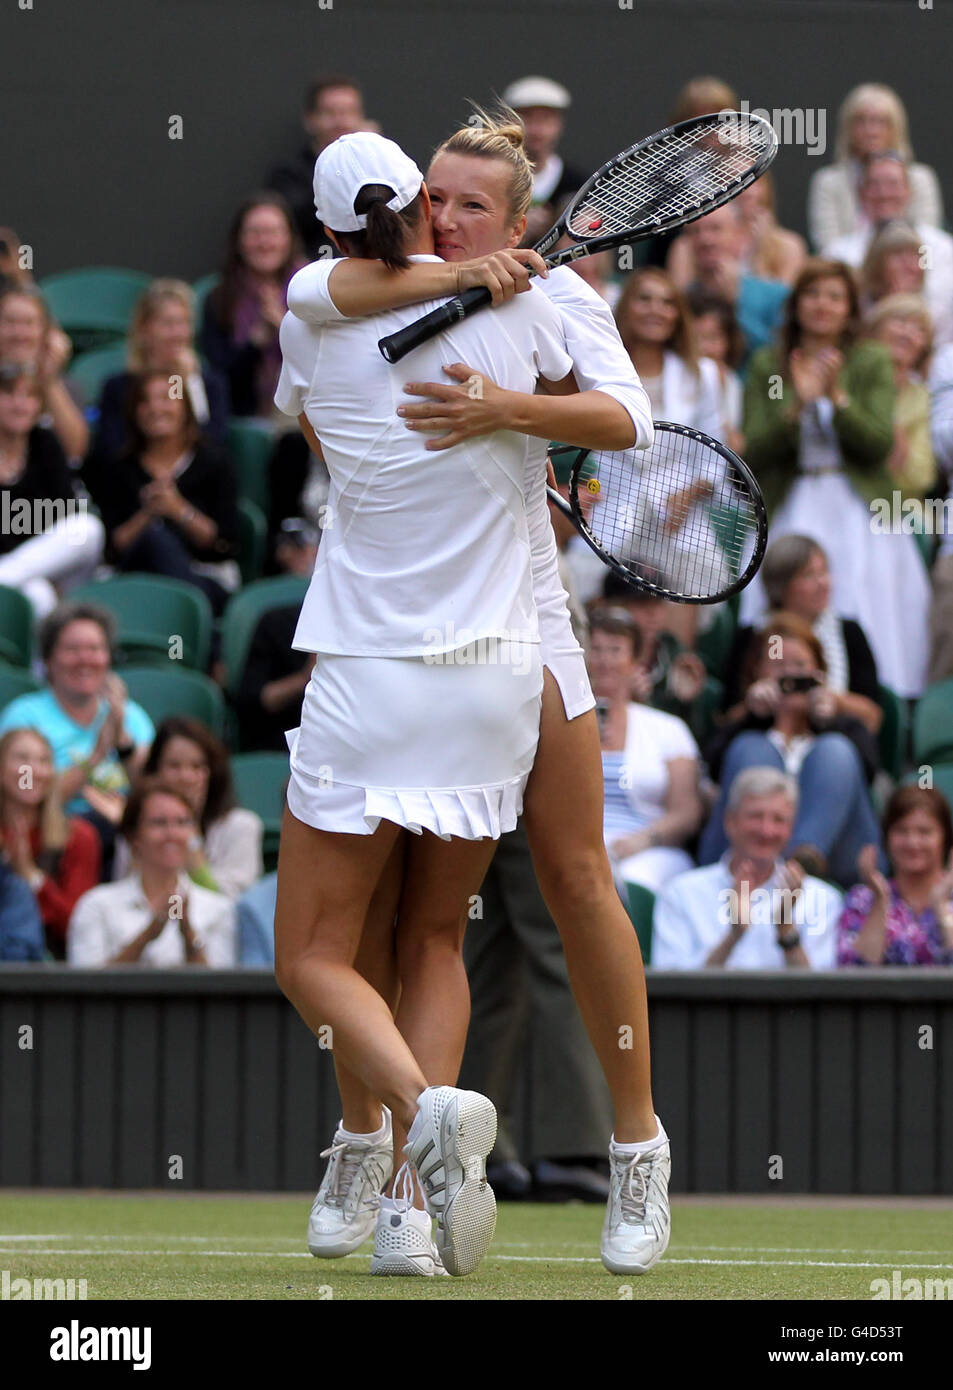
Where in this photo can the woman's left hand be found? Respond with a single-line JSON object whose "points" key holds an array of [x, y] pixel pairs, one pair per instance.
{"points": [[476, 407], [56, 352], [162, 498], [941, 896], [823, 703]]}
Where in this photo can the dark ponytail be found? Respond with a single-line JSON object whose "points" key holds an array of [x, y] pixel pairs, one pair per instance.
{"points": [[385, 237]]}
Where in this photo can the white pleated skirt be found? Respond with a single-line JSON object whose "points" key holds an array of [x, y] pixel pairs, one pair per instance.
{"points": [[444, 744]]}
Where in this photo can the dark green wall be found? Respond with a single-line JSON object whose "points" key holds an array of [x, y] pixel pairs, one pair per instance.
{"points": [[88, 86]]}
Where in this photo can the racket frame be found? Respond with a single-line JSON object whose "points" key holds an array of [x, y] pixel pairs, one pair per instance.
{"points": [[395, 346], [617, 566]]}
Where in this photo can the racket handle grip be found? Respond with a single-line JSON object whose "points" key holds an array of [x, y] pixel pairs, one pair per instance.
{"points": [[398, 344]]}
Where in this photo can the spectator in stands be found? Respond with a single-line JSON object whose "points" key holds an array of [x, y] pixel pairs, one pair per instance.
{"points": [[255, 913], [58, 857], [655, 325], [98, 736], [907, 919], [797, 579], [333, 106], [161, 337], [885, 196], [791, 722], [21, 927], [718, 337], [669, 677], [155, 916], [708, 258], [224, 855], [50, 537], [541, 105], [818, 428], [30, 338], [895, 264], [275, 676], [768, 250], [169, 503], [244, 312], [871, 121], [902, 323], [701, 96], [650, 763], [753, 909], [941, 430]]}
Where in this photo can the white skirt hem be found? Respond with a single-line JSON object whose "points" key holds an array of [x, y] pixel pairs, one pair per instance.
{"points": [[470, 813]]}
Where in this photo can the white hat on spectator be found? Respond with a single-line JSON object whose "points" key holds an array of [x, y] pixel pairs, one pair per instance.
{"points": [[351, 162], [536, 91]]}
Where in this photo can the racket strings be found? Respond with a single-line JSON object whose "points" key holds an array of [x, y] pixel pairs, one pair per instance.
{"points": [[682, 171], [679, 516]]}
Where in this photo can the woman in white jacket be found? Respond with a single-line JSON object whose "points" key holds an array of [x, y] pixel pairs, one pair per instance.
{"points": [[872, 120]]}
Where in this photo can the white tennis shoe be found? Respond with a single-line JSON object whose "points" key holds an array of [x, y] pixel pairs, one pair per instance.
{"points": [[447, 1146], [345, 1210], [638, 1221], [402, 1237]]}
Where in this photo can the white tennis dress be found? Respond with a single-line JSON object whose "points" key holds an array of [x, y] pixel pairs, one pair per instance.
{"points": [[423, 707], [600, 363]]}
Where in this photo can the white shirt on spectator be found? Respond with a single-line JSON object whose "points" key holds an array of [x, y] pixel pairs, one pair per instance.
{"points": [[107, 918], [693, 914], [938, 272]]}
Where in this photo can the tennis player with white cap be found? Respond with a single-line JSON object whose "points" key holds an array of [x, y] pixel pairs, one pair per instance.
{"points": [[422, 713], [479, 182]]}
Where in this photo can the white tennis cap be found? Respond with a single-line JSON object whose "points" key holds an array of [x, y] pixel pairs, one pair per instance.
{"points": [[536, 91], [345, 166]]}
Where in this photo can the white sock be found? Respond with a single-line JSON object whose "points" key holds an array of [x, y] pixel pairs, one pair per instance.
{"points": [[377, 1134], [643, 1146]]}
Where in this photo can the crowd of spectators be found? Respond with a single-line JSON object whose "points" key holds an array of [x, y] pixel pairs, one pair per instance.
{"points": [[745, 781]]}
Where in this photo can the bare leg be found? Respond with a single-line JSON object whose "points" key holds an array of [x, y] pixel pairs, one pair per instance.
{"points": [[325, 884], [563, 811], [376, 960], [440, 879]]}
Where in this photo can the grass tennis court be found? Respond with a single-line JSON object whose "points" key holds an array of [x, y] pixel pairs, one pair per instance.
{"points": [[158, 1246]]}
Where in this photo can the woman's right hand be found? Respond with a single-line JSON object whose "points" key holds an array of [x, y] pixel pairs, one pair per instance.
{"points": [[867, 867], [808, 376], [503, 273], [762, 697]]}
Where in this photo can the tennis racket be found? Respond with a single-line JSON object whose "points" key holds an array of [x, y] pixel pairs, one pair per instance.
{"points": [[665, 181], [683, 520]]}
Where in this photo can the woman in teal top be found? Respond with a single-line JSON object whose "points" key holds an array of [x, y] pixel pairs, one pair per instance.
{"points": [[818, 425]]}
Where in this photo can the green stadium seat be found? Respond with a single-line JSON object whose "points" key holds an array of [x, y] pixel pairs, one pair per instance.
{"points": [[260, 780], [249, 446], [94, 305], [242, 614], [933, 724], [253, 529], [16, 627], [176, 690], [893, 732], [202, 288], [149, 610], [14, 681], [641, 910], [90, 370]]}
